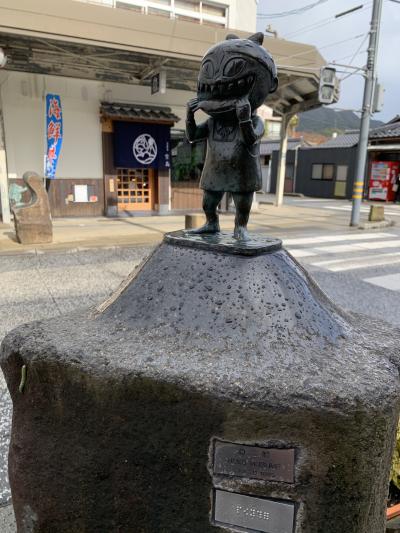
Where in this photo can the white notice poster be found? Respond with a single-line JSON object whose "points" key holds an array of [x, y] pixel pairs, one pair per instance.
{"points": [[81, 193]]}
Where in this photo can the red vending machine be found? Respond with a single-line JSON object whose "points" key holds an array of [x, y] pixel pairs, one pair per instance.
{"points": [[383, 178]]}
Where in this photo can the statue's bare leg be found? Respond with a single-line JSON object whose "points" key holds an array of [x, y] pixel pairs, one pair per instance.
{"points": [[243, 203], [211, 199]]}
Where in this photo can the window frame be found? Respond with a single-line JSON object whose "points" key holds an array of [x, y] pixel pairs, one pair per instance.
{"points": [[337, 173], [323, 165]]}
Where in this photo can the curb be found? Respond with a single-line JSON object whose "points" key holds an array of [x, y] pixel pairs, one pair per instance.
{"points": [[377, 225], [75, 249]]}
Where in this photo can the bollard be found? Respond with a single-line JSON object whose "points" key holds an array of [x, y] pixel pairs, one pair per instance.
{"points": [[376, 213], [193, 220], [217, 390]]}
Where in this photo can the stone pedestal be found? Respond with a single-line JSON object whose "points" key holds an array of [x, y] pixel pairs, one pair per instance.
{"points": [[217, 390], [33, 221]]}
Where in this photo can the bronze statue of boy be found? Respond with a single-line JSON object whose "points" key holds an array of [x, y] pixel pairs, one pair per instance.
{"points": [[235, 78]]}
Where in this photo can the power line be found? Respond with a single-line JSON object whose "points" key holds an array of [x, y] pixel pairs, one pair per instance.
{"points": [[358, 49], [297, 11], [353, 56], [321, 47], [321, 23]]}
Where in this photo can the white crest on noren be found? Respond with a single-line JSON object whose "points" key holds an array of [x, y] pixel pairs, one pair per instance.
{"points": [[145, 149]]}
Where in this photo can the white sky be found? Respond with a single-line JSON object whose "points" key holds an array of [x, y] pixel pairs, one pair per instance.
{"points": [[294, 28]]}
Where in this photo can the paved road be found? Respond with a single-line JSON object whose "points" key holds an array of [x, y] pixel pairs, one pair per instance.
{"points": [[392, 211], [359, 270]]}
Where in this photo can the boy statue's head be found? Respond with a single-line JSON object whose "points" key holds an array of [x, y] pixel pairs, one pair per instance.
{"points": [[234, 69]]}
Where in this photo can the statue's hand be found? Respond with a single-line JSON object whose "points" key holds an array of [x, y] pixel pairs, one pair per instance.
{"points": [[243, 110], [192, 106]]}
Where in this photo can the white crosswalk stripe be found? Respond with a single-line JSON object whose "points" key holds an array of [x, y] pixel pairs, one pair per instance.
{"points": [[340, 265], [391, 211], [349, 251], [336, 238], [391, 281]]}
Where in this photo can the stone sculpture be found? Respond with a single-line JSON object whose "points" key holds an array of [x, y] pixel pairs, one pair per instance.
{"points": [[235, 78], [33, 221], [218, 389]]}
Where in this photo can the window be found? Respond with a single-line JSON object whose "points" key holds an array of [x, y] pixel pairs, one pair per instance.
{"points": [[341, 172], [317, 172], [189, 5], [327, 172], [200, 11], [323, 172], [128, 5], [156, 11], [272, 128], [213, 10]]}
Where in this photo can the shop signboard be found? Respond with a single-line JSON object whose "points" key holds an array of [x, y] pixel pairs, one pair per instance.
{"points": [[140, 145], [54, 134]]}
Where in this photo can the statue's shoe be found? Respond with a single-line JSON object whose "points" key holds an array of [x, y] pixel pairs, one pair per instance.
{"points": [[209, 227], [241, 234]]}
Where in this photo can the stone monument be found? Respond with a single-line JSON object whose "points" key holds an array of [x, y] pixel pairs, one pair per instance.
{"points": [[218, 389], [32, 221]]}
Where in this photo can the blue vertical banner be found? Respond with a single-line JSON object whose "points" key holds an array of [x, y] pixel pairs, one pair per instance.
{"points": [[54, 133]]}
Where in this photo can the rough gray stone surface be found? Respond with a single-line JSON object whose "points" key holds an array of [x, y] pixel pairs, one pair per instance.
{"points": [[7, 519], [115, 426], [32, 222]]}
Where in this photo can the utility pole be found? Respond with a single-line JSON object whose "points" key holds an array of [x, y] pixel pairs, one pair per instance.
{"points": [[280, 182], [370, 79]]}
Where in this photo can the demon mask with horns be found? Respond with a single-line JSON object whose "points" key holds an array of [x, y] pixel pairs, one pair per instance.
{"points": [[235, 78]]}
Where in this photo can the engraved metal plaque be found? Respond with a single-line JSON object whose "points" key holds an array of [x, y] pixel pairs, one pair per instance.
{"points": [[254, 462], [253, 514]]}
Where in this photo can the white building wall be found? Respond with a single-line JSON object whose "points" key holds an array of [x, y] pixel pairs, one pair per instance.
{"points": [[243, 15], [81, 153]]}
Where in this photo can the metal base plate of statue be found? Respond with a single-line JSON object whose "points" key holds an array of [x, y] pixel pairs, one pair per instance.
{"points": [[32, 221], [235, 78], [217, 390]]}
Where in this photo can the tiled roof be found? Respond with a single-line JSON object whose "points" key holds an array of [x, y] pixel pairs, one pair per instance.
{"points": [[138, 112], [387, 131], [268, 146], [347, 140]]}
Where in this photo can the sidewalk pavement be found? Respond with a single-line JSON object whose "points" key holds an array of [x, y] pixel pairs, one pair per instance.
{"points": [[97, 232]]}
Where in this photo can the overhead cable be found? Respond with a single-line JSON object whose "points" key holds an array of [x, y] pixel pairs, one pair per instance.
{"points": [[297, 11], [313, 50], [320, 23]]}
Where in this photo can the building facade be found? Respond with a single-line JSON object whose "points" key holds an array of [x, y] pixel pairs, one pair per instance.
{"points": [[112, 62], [328, 170]]}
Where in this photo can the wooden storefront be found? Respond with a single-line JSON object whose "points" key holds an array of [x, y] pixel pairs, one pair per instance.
{"points": [[133, 190], [186, 195]]}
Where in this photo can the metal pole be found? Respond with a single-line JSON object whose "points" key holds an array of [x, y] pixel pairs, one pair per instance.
{"points": [[370, 78], [280, 182], [4, 199]]}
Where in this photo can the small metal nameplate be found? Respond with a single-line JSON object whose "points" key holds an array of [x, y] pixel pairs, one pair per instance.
{"points": [[254, 462], [253, 514]]}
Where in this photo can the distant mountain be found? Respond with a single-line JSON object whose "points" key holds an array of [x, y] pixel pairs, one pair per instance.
{"points": [[325, 121]]}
